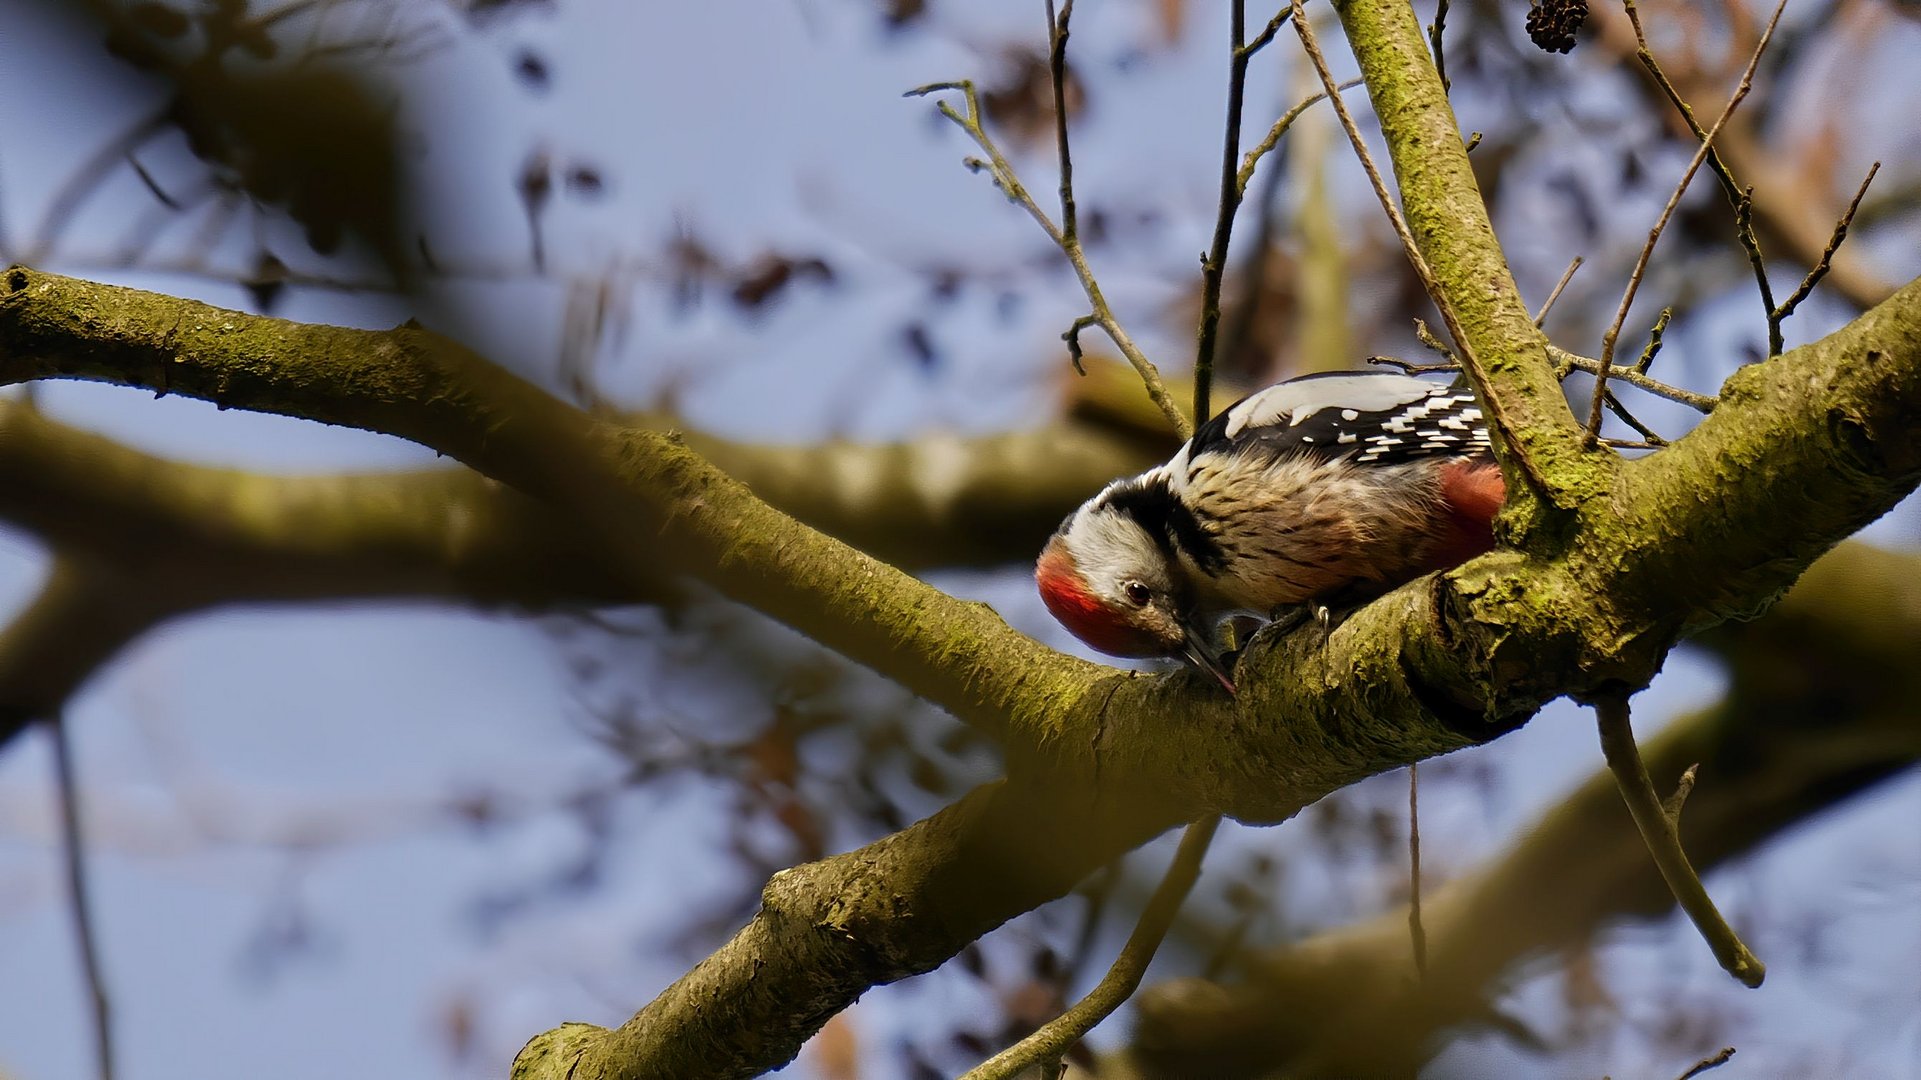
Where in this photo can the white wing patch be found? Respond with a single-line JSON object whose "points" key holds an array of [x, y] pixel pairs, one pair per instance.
{"points": [[1299, 399]]}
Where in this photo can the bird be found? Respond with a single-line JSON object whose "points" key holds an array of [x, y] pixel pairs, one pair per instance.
{"points": [[1321, 492]]}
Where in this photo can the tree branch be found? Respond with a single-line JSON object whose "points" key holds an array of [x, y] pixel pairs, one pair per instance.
{"points": [[1805, 449], [1214, 262], [1613, 332], [1446, 217], [1787, 202], [1002, 172], [73, 843], [1819, 709], [1661, 832]]}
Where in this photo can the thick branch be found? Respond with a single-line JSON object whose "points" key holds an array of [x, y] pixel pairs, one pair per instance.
{"points": [[158, 537], [647, 497], [1805, 449]]}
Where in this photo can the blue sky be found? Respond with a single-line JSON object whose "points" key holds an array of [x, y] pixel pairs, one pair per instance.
{"points": [[281, 775]]}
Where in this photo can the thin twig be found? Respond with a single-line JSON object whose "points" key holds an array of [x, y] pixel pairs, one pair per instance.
{"points": [[1273, 136], [1540, 317], [1425, 335], [1653, 347], [1744, 230], [1648, 434], [1575, 362], [1072, 335], [1661, 832], [1820, 268], [1214, 263], [65, 206], [1673, 803], [1713, 1062], [1741, 199], [1267, 33], [1236, 329], [1002, 174], [1057, 68], [1060, 1034], [1613, 333], [1434, 33], [1417, 933], [1303, 27], [73, 844], [1411, 368]]}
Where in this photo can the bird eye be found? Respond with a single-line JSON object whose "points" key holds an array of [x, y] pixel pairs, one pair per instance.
{"points": [[1137, 592]]}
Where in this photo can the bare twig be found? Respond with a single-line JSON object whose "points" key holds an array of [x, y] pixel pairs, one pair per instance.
{"points": [[1661, 832], [1425, 335], [1280, 128], [1102, 315], [1564, 363], [1434, 32], [1648, 435], [1072, 335], [1214, 263], [1701, 152], [1751, 245], [1673, 803], [1568, 361], [1057, 69], [1742, 199], [1060, 1034], [1417, 933], [1540, 317], [1714, 1061], [1254, 277], [73, 844], [1412, 368], [1653, 347], [1267, 33], [1820, 269], [1303, 27], [64, 208], [1646, 55]]}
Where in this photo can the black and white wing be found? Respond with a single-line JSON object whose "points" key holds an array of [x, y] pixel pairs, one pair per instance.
{"points": [[1371, 417]]}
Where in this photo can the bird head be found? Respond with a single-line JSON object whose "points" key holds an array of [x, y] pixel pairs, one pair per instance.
{"points": [[1109, 583]]}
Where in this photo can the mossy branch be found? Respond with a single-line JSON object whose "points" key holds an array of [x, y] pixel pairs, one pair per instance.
{"points": [[1819, 710], [1803, 449]]}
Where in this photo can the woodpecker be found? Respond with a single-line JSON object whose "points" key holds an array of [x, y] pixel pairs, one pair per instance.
{"points": [[1321, 491]]}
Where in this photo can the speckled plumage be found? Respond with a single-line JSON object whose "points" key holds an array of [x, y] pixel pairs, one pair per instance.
{"points": [[1323, 490]]}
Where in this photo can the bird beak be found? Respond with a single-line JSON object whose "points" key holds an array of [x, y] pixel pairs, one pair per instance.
{"points": [[1198, 654]]}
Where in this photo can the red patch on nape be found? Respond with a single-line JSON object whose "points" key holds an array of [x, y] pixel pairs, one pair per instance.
{"points": [[1474, 492], [1066, 594]]}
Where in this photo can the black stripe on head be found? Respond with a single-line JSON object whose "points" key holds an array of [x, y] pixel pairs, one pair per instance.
{"points": [[1167, 519]]}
